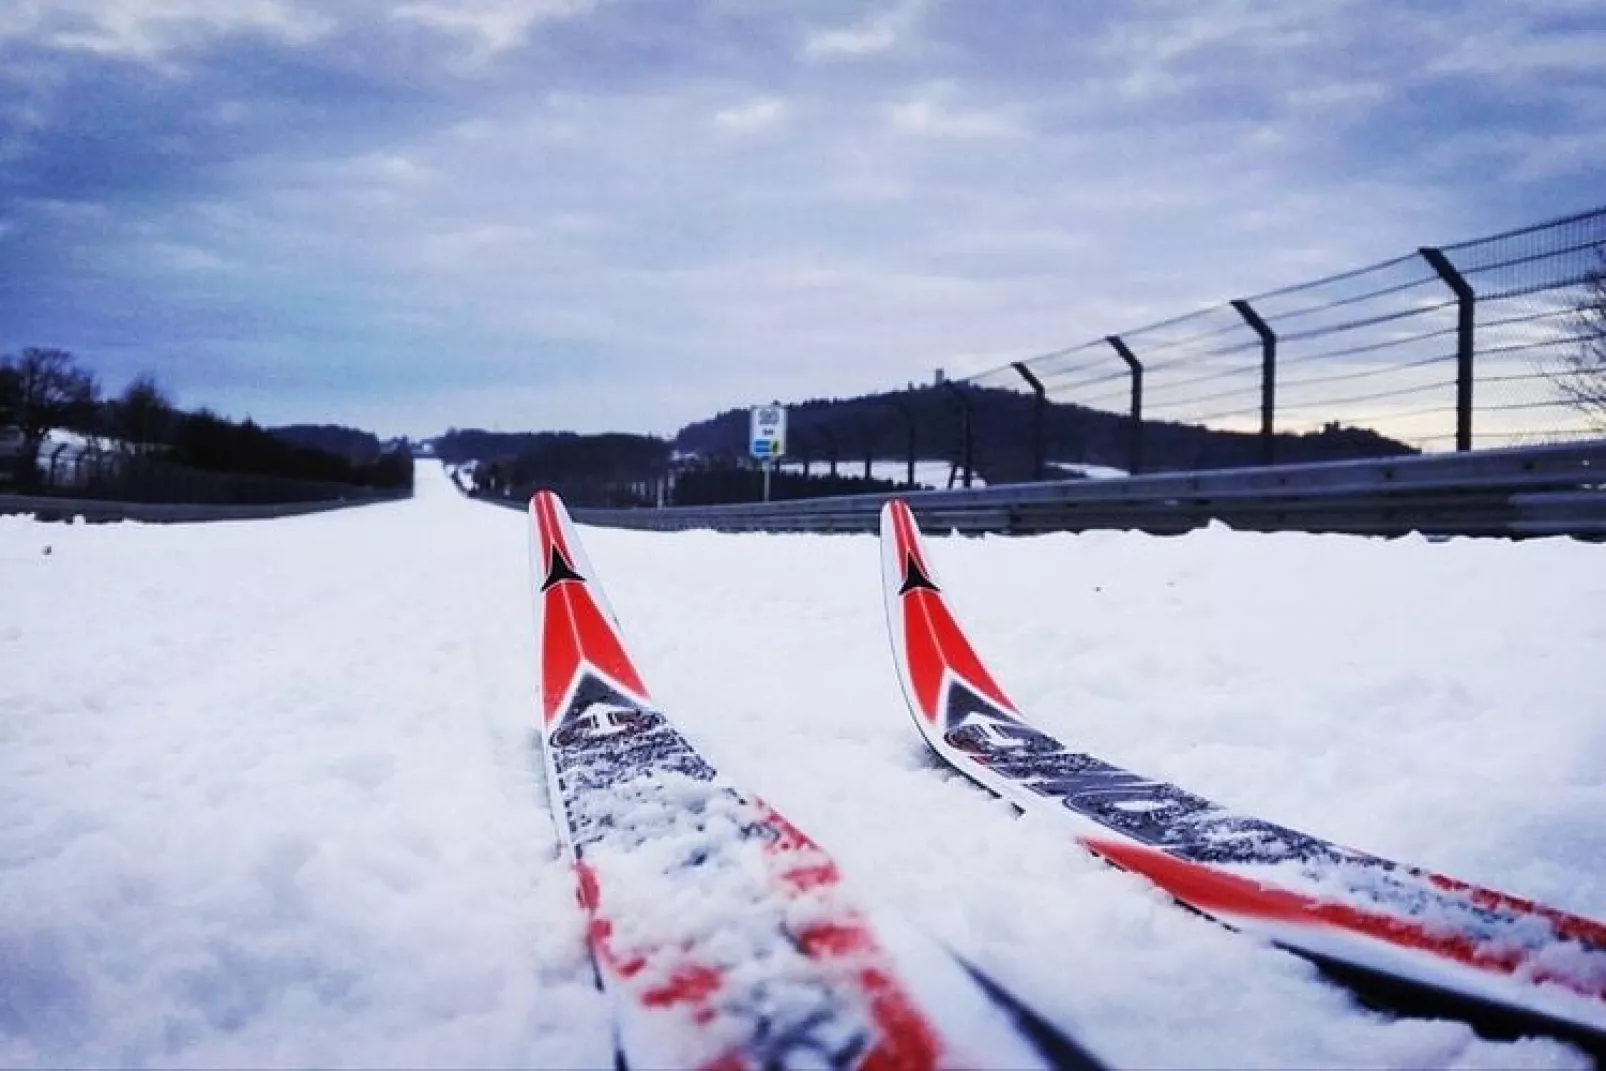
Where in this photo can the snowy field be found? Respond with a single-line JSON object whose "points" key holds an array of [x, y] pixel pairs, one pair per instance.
{"points": [[266, 797]]}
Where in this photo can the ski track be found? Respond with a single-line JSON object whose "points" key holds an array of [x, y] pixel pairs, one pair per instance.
{"points": [[267, 798]]}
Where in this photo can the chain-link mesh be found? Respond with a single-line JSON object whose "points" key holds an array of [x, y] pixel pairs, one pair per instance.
{"points": [[1532, 285], [1374, 348]]}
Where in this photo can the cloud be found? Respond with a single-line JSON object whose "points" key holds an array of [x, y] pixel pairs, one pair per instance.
{"points": [[754, 116], [491, 27], [933, 114], [556, 214], [146, 30], [873, 35], [1523, 49], [186, 258]]}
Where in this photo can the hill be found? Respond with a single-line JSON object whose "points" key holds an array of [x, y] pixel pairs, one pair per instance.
{"points": [[882, 425], [355, 445], [707, 461]]}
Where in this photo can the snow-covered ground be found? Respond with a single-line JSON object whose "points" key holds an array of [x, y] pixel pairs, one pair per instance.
{"points": [[1092, 472], [266, 794]]}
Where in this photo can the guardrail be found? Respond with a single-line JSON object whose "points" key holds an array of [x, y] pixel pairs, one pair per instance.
{"points": [[96, 511], [1518, 492]]}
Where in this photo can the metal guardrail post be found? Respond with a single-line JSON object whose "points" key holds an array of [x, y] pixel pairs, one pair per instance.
{"points": [[55, 458], [1039, 400], [1268, 380], [1465, 328], [1136, 367], [966, 434]]}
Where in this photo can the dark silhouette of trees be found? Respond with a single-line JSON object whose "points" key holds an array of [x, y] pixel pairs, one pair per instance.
{"points": [[610, 469], [716, 486], [353, 444], [142, 416], [1582, 377], [154, 444], [10, 394], [878, 425], [45, 389]]}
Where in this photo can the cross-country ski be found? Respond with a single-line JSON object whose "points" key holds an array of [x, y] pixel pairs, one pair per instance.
{"points": [[1419, 939], [722, 935]]}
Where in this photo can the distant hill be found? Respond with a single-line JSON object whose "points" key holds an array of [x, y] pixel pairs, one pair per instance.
{"points": [[878, 426], [622, 469], [461, 445], [357, 446]]}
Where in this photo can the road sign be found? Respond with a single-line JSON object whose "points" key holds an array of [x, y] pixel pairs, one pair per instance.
{"points": [[768, 436]]}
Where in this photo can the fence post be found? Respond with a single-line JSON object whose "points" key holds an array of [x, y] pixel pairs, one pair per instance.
{"points": [[1039, 400], [55, 457], [1136, 366], [1465, 327], [965, 430], [832, 450], [1268, 380], [909, 427]]}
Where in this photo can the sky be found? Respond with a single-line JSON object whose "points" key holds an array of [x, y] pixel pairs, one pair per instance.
{"points": [[408, 215]]}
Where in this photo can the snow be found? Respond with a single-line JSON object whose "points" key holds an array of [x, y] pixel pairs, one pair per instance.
{"points": [[267, 797], [1092, 472]]}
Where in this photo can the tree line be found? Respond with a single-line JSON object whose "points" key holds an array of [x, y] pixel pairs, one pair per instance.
{"points": [[44, 390], [847, 430], [707, 462]]}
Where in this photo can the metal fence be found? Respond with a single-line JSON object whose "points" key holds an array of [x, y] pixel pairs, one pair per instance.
{"points": [[1459, 347], [87, 471], [1512, 493]]}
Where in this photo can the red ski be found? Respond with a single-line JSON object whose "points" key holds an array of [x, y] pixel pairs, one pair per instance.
{"points": [[722, 935], [1421, 941]]}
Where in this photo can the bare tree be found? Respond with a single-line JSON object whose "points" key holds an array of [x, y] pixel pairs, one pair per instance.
{"points": [[143, 415], [1582, 377], [49, 390], [10, 395]]}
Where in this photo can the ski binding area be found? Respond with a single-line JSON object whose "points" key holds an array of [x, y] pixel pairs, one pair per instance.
{"points": [[722, 935], [1421, 940]]}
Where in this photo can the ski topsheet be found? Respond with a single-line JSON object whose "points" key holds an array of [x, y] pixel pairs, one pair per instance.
{"points": [[1423, 941], [720, 933]]}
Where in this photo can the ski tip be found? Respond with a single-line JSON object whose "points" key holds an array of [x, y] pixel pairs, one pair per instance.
{"points": [[547, 509], [901, 532], [897, 517]]}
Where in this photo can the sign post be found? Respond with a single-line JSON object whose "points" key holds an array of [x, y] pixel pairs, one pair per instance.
{"points": [[767, 440]]}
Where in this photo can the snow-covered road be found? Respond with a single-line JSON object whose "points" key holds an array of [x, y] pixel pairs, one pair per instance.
{"points": [[266, 795]]}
